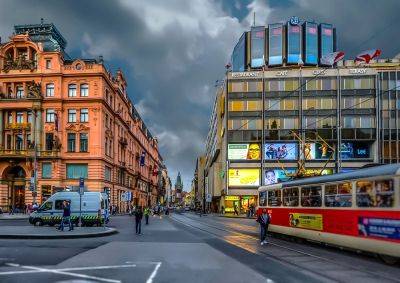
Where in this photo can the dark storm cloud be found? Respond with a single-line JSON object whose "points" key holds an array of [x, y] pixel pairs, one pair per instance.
{"points": [[173, 51]]}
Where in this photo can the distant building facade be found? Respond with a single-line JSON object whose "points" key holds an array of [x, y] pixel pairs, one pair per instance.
{"points": [[66, 119]]}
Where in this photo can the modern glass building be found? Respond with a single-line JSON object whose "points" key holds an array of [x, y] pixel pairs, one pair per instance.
{"points": [[281, 44]]}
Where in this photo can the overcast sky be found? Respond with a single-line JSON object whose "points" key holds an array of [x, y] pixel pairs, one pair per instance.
{"points": [[173, 51]]}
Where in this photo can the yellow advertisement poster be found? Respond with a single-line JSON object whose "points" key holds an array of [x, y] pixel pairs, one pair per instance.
{"points": [[244, 177], [306, 221]]}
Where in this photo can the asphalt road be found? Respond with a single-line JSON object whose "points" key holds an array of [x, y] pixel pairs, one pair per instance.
{"points": [[183, 248]]}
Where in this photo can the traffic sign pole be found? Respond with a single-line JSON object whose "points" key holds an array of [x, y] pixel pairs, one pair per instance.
{"points": [[81, 192]]}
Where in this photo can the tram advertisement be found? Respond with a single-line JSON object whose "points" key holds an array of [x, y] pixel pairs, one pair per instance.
{"points": [[379, 228], [306, 221]]}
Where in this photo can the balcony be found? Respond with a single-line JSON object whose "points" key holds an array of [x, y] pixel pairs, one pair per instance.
{"points": [[16, 153], [18, 126], [49, 153], [24, 153]]}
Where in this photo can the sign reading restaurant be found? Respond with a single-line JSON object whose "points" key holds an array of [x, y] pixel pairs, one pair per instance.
{"points": [[245, 74]]}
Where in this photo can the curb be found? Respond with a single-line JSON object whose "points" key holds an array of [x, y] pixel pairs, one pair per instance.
{"points": [[109, 232], [9, 219]]}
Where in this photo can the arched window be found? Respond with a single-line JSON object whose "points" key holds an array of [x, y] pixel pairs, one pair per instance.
{"points": [[72, 90], [84, 90]]}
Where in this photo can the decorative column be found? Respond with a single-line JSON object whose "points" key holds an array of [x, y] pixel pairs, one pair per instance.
{"points": [[1, 129]]}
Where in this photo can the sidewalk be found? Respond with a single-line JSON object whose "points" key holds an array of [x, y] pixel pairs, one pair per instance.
{"points": [[44, 232], [16, 216]]}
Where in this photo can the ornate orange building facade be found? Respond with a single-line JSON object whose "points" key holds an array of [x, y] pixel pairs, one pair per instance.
{"points": [[69, 119]]}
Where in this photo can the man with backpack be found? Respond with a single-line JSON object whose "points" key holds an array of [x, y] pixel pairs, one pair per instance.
{"points": [[263, 219]]}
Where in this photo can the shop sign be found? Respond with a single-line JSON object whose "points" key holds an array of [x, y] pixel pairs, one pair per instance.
{"points": [[358, 71], [281, 74], [244, 177], [244, 151], [245, 74], [306, 221], [231, 197], [319, 72]]}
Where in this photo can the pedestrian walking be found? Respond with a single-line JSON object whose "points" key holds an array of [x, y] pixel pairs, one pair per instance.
{"points": [[146, 215], [66, 216], [138, 220], [235, 210], [263, 219]]}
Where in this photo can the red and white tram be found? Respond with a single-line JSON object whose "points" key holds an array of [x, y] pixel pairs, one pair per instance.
{"points": [[358, 210]]}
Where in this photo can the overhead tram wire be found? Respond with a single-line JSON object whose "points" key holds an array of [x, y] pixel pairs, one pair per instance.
{"points": [[316, 76]]}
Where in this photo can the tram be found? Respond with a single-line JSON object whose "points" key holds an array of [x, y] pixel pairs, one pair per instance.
{"points": [[359, 210]]}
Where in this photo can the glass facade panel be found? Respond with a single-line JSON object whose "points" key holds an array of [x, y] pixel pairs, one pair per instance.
{"points": [[326, 39], [275, 44], [293, 44], [257, 35], [310, 43], [239, 55]]}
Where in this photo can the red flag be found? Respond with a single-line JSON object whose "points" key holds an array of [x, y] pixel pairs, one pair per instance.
{"points": [[368, 55], [332, 58]]}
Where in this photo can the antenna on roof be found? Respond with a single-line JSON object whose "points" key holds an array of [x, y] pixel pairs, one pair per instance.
{"points": [[254, 19]]}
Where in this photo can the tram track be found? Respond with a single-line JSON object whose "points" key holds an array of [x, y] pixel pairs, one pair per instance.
{"points": [[332, 262]]}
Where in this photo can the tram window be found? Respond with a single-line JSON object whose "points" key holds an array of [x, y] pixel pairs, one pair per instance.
{"points": [[338, 195], [274, 198], [384, 193], [291, 197], [311, 196], [262, 197], [375, 194], [365, 194]]}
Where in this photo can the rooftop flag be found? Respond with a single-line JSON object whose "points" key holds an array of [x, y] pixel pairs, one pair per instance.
{"points": [[332, 58], [368, 55]]}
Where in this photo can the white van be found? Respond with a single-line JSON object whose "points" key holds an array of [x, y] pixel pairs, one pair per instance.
{"points": [[93, 205]]}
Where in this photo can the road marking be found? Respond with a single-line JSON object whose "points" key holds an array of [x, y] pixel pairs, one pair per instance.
{"points": [[55, 271], [154, 273], [64, 271]]}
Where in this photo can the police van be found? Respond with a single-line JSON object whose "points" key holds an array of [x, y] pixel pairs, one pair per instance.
{"points": [[95, 209]]}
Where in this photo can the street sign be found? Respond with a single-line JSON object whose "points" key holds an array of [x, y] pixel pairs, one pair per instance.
{"points": [[208, 197]]}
